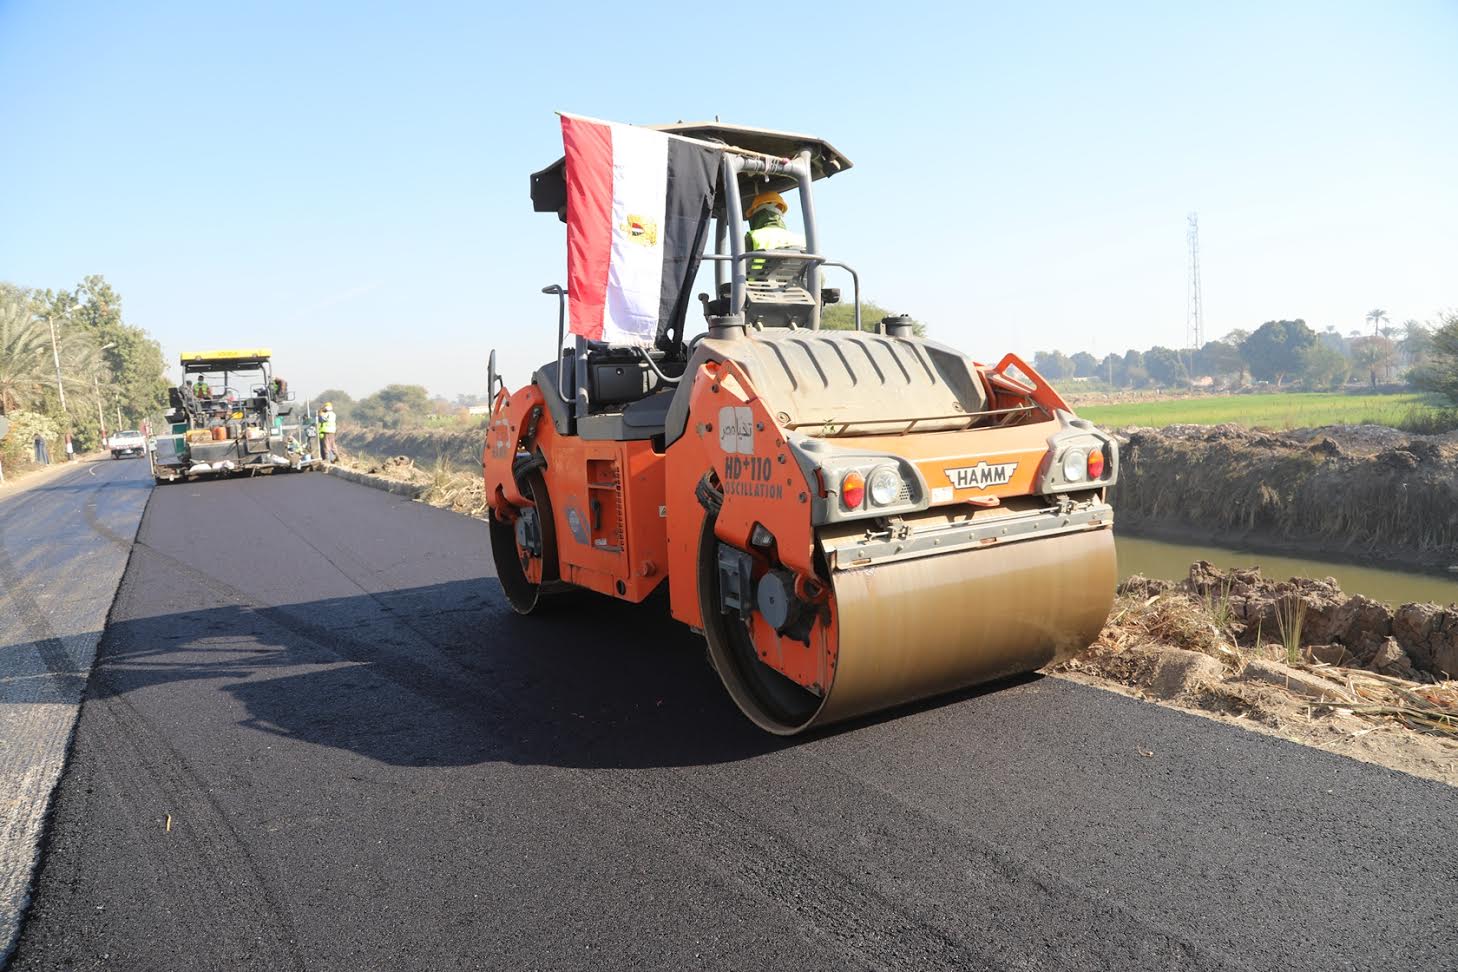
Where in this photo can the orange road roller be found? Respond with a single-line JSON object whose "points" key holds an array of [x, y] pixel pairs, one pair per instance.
{"points": [[854, 518]]}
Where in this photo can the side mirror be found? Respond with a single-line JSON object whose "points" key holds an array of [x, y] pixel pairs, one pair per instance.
{"points": [[492, 377], [830, 295]]}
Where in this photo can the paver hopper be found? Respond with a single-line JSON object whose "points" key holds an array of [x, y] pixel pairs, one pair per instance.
{"points": [[853, 518]]}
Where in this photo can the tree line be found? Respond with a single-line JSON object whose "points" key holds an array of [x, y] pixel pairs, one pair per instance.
{"points": [[71, 364], [402, 407], [1279, 352]]}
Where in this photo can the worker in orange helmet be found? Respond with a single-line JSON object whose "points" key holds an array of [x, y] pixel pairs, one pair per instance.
{"points": [[767, 229]]}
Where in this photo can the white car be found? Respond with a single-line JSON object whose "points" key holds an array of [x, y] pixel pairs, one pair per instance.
{"points": [[131, 443]]}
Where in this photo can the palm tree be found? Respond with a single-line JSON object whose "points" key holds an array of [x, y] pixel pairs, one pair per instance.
{"points": [[1377, 318], [1416, 341], [1373, 353], [26, 367], [28, 364]]}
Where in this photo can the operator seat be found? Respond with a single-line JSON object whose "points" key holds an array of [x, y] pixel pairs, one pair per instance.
{"points": [[627, 400]]}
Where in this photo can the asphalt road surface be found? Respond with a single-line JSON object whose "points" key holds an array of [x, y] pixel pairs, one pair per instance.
{"points": [[64, 541], [316, 738]]}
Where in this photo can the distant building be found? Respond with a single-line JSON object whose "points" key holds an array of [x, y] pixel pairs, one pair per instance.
{"points": [[479, 409]]}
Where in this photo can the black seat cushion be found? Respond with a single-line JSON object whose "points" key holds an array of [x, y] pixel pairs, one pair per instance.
{"points": [[642, 419], [648, 413]]}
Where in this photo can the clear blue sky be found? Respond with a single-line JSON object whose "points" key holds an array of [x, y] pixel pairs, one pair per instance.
{"points": [[347, 182]]}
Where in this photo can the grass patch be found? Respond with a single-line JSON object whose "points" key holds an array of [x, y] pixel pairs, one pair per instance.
{"points": [[1290, 619], [1412, 412]]}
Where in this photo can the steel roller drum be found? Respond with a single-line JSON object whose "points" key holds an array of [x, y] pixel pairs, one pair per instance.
{"points": [[917, 628]]}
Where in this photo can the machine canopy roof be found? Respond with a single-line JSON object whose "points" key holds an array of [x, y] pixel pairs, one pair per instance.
{"points": [[549, 186], [234, 360]]}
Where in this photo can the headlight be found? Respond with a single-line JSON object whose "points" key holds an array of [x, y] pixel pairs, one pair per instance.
{"points": [[1075, 465], [884, 486]]}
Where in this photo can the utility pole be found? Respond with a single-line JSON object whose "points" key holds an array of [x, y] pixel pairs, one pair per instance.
{"points": [[56, 356], [96, 387], [100, 419]]}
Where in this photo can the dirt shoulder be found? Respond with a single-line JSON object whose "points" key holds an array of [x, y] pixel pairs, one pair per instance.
{"points": [[441, 484], [1298, 659], [426, 449]]}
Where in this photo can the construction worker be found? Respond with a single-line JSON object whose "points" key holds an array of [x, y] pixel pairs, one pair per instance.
{"points": [[201, 389], [767, 229], [328, 425]]}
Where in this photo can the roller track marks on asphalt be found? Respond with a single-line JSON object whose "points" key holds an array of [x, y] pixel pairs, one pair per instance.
{"points": [[43, 640], [183, 838], [1005, 904], [101, 529]]}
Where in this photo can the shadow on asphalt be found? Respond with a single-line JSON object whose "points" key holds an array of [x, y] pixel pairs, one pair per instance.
{"points": [[446, 675]]}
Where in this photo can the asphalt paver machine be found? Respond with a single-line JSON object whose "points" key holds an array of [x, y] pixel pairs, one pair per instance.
{"points": [[853, 518], [229, 416]]}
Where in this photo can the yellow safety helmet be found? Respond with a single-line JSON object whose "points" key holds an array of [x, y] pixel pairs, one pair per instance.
{"points": [[766, 199], [328, 404]]}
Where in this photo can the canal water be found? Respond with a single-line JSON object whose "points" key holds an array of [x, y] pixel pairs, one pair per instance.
{"points": [[1171, 561]]}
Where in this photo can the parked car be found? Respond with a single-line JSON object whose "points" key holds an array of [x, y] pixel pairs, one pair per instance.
{"points": [[131, 443]]}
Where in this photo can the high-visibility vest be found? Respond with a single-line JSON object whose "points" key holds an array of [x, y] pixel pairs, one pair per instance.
{"points": [[326, 422], [773, 238]]}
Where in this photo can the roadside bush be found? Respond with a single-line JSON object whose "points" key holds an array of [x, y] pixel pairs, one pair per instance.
{"points": [[1440, 374], [19, 444]]}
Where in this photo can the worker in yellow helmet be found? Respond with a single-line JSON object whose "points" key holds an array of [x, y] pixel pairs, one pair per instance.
{"points": [[328, 426]]}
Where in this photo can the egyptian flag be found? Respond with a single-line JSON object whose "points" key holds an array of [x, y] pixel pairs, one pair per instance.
{"points": [[638, 205]]}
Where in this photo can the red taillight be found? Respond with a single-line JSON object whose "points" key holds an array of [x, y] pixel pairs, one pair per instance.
{"points": [[852, 490], [1095, 463]]}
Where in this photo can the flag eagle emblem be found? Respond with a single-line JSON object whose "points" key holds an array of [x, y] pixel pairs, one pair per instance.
{"points": [[642, 230]]}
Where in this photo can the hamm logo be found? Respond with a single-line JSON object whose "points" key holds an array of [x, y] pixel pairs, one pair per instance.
{"points": [[982, 475]]}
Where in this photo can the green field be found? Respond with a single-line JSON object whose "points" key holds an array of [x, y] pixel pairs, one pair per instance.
{"points": [[1280, 410]]}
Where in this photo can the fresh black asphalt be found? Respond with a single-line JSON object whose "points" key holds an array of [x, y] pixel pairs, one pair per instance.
{"points": [[316, 738]]}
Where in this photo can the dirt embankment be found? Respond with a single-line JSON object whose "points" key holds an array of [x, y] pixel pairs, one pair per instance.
{"points": [[460, 451], [442, 485], [1297, 658], [1350, 491]]}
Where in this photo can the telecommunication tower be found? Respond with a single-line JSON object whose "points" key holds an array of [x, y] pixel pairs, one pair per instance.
{"points": [[1194, 313]]}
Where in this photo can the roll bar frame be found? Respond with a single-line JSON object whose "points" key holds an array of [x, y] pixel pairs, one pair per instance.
{"points": [[732, 264]]}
